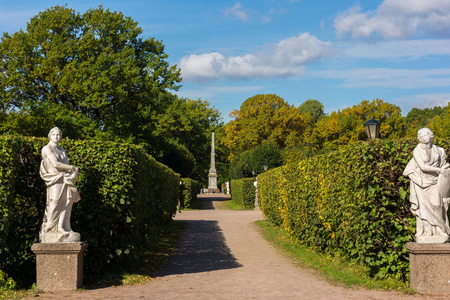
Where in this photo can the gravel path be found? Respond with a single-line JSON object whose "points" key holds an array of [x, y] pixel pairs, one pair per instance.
{"points": [[221, 255]]}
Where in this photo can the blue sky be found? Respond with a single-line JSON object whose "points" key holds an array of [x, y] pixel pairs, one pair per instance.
{"points": [[338, 52]]}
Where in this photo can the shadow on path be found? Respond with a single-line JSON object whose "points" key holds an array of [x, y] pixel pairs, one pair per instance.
{"points": [[207, 203], [207, 200], [201, 248]]}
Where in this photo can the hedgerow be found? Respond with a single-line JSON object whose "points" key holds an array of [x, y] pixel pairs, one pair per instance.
{"points": [[353, 202], [125, 194], [188, 192], [243, 192]]}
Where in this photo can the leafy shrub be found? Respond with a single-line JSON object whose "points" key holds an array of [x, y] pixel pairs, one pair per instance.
{"points": [[353, 202], [254, 160], [8, 148], [243, 192], [6, 283], [125, 194], [188, 192]]}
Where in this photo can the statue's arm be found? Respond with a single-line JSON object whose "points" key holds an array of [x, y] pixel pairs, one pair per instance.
{"points": [[48, 155], [426, 168]]}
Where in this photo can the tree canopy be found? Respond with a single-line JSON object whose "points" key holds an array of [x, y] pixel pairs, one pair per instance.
{"points": [[93, 67], [418, 118], [264, 119], [94, 76], [254, 160], [191, 123], [347, 126], [314, 108]]}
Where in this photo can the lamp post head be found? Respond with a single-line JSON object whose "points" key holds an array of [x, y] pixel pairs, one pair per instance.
{"points": [[372, 129]]}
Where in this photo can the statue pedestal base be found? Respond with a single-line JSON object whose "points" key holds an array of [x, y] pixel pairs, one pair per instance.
{"points": [[59, 266], [439, 239], [429, 267], [60, 237]]}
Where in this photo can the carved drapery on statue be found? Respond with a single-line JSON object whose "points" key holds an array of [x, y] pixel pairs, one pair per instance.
{"points": [[429, 176], [59, 177]]}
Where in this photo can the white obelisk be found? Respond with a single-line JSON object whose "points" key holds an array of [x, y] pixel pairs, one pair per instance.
{"points": [[212, 177]]}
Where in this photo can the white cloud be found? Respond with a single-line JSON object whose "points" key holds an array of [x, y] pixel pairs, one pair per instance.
{"points": [[266, 19], [247, 15], [395, 19], [389, 78], [422, 101], [394, 49], [287, 58], [237, 11], [208, 92]]}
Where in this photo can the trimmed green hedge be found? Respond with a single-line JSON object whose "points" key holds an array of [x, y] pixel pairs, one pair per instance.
{"points": [[353, 202], [243, 192], [125, 194], [188, 192]]}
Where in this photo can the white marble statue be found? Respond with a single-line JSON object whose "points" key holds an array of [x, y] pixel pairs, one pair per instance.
{"points": [[429, 176], [227, 184], [59, 178]]}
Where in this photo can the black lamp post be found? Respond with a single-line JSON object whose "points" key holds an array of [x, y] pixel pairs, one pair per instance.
{"points": [[372, 129]]}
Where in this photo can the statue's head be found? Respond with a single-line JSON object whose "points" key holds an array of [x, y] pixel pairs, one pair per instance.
{"points": [[423, 133], [53, 130]]}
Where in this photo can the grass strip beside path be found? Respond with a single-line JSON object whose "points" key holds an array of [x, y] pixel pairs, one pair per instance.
{"points": [[332, 268], [231, 205]]}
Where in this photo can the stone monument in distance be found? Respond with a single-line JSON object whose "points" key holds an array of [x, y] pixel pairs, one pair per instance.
{"points": [[59, 253], [429, 256], [212, 176]]}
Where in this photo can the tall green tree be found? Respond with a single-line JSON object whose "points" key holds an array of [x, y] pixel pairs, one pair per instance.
{"points": [[418, 118], [254, 160], [93, 76], [264, 119], [93, 67], [191, 123], [440, 124], [314, 108], [347, 126]]}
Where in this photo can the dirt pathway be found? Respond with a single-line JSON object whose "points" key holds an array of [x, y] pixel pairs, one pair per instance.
{"points": [[222, 256]]}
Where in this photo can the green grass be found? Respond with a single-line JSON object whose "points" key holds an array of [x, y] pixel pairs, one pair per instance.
{"points": [[230, 204], [334, 269], [142, 268]]}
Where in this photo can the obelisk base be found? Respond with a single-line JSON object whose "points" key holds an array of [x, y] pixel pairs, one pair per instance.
{"points": [[59, 266], [429, 267], [212, 182]]}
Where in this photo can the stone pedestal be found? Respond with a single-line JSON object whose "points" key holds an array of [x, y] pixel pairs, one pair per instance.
{"points": [[212, 182], [429, 267], [59, 266], [213, 191]]}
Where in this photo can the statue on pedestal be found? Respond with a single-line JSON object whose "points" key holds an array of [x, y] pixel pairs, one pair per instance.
{"points": [[59, 178], [429, 173]]}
